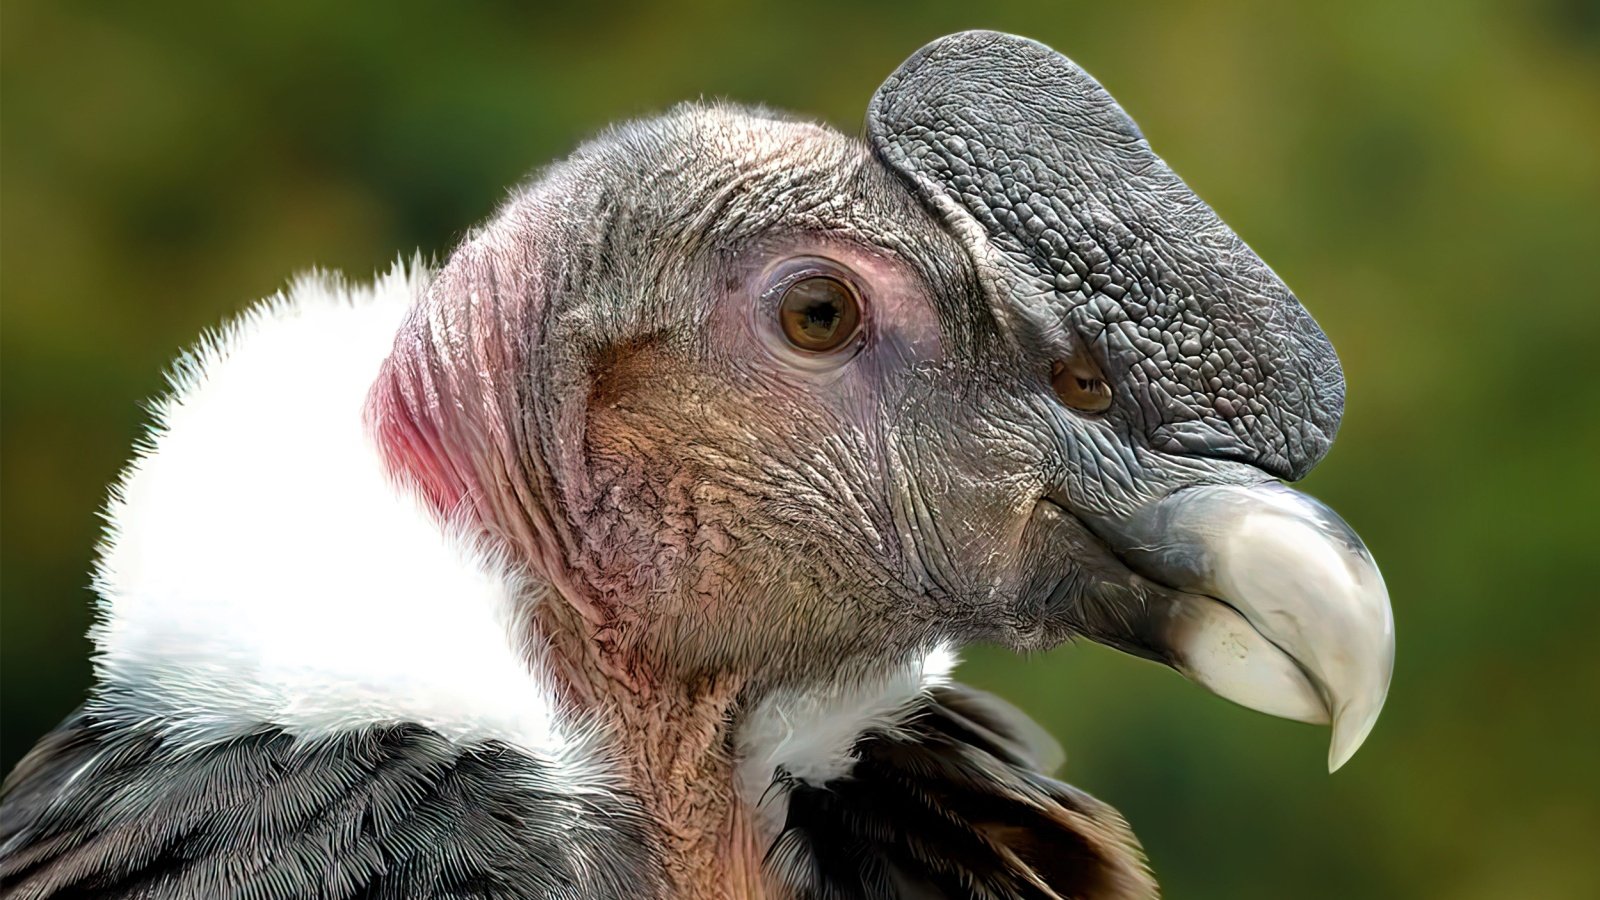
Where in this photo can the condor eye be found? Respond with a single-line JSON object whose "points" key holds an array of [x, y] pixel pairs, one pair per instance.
{"points": [[1081, 386], [819, 313]]}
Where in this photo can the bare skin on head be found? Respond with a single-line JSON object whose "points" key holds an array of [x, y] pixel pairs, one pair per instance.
{"points": [[657, 487], [764, 406]]}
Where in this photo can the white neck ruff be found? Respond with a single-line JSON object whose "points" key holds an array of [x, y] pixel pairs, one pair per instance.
{"points": [[259, 567]]}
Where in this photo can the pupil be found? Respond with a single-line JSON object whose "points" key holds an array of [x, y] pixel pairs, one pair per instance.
{"points": [[821, 319], [818, 313]]}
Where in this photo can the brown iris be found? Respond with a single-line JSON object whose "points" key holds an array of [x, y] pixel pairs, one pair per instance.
{"points": [[1081, 386], [819, 313]]}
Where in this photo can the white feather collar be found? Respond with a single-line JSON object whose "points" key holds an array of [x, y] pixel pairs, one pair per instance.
{"points": [[259, 567]]}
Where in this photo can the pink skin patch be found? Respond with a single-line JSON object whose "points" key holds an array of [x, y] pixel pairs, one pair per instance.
{"points": [[410, 444], [441, 408]]}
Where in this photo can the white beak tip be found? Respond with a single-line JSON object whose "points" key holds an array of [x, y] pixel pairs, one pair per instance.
{"points": [[1349, 733]]}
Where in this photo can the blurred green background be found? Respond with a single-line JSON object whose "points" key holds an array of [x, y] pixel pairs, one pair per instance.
{"points": [[1425, 174]]}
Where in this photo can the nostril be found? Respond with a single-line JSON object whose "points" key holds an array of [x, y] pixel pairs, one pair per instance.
{"points": [[1081, 386]]}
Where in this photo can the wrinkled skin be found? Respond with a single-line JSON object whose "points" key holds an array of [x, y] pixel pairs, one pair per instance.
{"points": [[860, 505], [599, 378], [751, 507], [599, 371]]}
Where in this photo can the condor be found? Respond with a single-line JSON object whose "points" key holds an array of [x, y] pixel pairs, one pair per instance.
{"points": [[625, 553]]}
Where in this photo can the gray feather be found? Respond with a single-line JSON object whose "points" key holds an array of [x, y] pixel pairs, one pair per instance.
{"points": [[399, 811]]}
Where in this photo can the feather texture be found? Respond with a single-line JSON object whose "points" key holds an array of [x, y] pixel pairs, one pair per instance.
{"points": [[260, 566], [99, 810], [949, 803]]}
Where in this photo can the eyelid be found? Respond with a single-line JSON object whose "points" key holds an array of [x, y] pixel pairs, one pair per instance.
{"points": [[782, 275]]}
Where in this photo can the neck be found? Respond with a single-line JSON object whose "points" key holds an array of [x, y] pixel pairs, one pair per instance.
{"points": [[674, 737]]}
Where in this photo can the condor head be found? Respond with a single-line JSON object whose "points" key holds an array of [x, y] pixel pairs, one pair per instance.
{"points": [[757, 396]]}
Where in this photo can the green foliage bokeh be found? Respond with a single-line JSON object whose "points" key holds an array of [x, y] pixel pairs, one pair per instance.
{"points": [[1424, 173]]}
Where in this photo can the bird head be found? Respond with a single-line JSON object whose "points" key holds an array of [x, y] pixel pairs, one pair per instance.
{"points": [[753, 394]]}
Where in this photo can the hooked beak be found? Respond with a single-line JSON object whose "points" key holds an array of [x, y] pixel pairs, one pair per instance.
{"points": [[1276, 604]]}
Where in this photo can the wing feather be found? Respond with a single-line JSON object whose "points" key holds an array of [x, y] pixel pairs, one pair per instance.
{"points": [[386, 812], [951, 802]]}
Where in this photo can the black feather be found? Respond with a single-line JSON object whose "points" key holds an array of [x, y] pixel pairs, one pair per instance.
{"points": [[385, 812], [949, 803]]}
